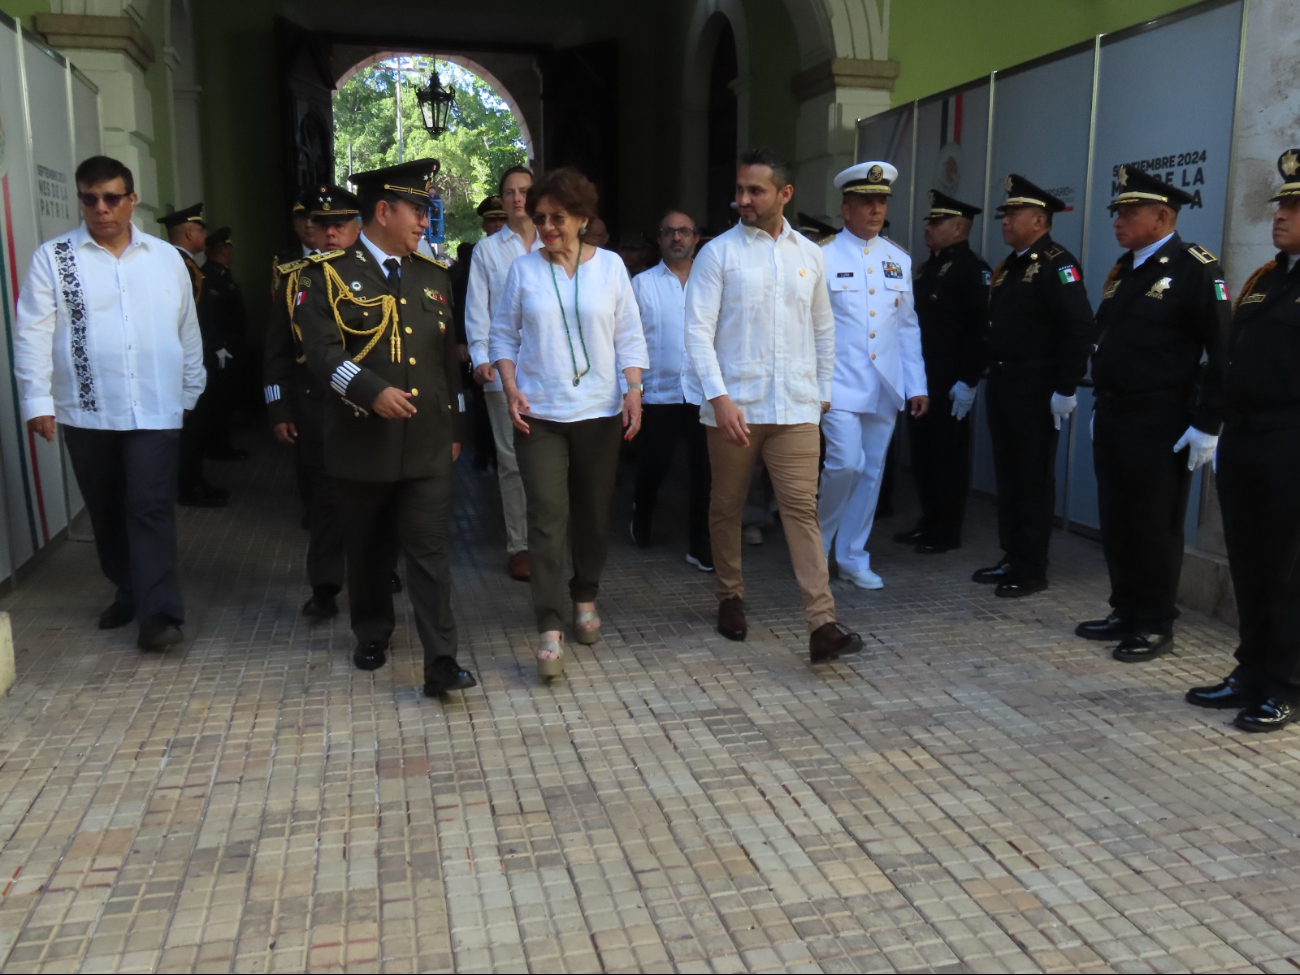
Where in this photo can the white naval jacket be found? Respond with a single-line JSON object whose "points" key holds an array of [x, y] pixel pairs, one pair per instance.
{"points": [[878, 362]]}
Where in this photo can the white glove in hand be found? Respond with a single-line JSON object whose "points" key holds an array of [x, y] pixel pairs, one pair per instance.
{"points": [[963, 398], [1201, 447], [1062, 407], [223, 356]]}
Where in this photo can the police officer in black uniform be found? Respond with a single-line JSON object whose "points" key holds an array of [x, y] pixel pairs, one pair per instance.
{"points": [[187, 233], [1040, 335], [377, 327], [221, 307], [1259, 479], [296, 401], [952, 299], [1164, 307]]}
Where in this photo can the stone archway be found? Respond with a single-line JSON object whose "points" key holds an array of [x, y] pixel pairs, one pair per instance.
{"points": [[469, 64]]}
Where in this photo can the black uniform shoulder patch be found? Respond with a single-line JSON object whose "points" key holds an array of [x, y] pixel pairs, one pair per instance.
{"points": [[1201, 254]]}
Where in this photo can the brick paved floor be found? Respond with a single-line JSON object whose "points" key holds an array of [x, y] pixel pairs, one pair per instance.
{"points": [[977, 791]]}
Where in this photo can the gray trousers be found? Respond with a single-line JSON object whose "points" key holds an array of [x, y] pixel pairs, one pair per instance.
{"points": [[128, 478]]}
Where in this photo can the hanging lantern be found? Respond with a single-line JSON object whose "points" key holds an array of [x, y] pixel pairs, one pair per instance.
{"points": [[435, 104]]}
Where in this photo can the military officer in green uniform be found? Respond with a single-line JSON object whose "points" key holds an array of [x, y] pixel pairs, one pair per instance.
{"points": [[296, 401], [1158, 366], [377, 328]]}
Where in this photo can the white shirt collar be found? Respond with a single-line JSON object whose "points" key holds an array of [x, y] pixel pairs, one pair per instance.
{"points": [[81, 237], [378, 253], [507, 234], [850, 235], [1023, 252], [1142, 253], [751, 233]]}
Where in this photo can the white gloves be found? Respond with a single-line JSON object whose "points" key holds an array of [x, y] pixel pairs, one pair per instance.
{"points": [[1062, 407], [963, 398], [223, 356], [1201, 447]]}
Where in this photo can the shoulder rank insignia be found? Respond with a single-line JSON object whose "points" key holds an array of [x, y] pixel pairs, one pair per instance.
{"points": [[431, 260], [825, 240], [326, 256], [291, 266], [1056, 250], [1201, 254]]}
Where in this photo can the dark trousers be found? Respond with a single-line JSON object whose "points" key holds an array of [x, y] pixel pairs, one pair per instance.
{"points": [[419, 508], [1142, 488], [128, 479], [1024, 462], [1258, 479], [195, 436], [326, 516], [568, 472], [941, 465], [663, 427]]}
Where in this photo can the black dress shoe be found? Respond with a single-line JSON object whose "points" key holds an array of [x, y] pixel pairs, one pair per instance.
{"points": [[731, 618], [370, 654], [913, 536], [994, 574], [445, 675], [936, 548], [1231, 692], [321, 606], [159, 633], [832, 640], [1013, 588], [202, 495], [1111, 628], [1140, 646], [1273, 714], [119, 614], [395, 583]]}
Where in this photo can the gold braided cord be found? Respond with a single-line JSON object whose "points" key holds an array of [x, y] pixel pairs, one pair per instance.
{"points": [[1250, 283], [337, 291], [1114, 273]]}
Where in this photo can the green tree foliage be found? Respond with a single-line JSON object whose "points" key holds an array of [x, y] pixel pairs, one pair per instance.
{"points": [[482, 140]]}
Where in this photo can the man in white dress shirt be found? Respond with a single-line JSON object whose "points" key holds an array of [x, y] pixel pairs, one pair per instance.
{"points": [[488, 268], [878, 365], [761, 337], [107, 345], [671, 410]]}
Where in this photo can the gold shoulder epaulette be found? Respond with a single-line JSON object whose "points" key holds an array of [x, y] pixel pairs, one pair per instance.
{"points": [[431, 260], [290, 266], [326, 256], [1201, 254], [1251, 281], [898, 245], [826, 240], [1056, 250]]}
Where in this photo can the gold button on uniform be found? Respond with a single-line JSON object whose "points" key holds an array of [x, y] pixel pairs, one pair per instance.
{"points": [[408, 329], [895, 302], [873, 355], [416, 392], [871, 291], [403, 301], [871, 335], [411, 360], [873, 313], [870, 269]]}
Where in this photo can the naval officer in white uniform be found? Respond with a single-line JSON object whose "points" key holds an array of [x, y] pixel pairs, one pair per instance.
{"points": [[878, 365]]}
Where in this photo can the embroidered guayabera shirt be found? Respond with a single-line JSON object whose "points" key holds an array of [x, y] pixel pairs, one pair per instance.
{"points": [[108, 342]]}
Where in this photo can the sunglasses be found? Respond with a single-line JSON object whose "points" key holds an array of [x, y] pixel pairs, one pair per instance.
{"points": [[555, 219], [676, 232], [111, 200]]}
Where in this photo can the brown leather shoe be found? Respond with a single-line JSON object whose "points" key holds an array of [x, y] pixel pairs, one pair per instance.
{"points": [[520, 565], [731, 618], [831, 640]]}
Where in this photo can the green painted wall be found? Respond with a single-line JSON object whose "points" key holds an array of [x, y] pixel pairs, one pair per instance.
{"points": [[940, 44]]}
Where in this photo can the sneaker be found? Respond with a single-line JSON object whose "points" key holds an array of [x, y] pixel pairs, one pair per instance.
{"points": [[702, 562], [862, 578]]}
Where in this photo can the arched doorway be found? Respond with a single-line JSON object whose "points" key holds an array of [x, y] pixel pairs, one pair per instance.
{"points": [[723, 121]]}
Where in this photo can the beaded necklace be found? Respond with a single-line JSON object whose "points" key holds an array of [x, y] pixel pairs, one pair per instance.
{"points": [[577, 376]]}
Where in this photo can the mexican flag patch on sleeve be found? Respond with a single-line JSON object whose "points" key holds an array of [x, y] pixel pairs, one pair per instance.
{"points": [[1221, 291], [1069, 274]]}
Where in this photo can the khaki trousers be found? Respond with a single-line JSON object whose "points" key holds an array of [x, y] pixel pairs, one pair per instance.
{"points": [[790, 453], [514, 504]]}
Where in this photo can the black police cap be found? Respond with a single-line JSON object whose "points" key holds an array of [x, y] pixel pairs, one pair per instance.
{"points": [[192, 214], [1136, 186], [1022, 193], [943, 206]]}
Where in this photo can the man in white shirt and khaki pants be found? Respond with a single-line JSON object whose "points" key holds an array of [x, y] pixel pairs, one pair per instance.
{"points": [[107, 345], [760, 334]]}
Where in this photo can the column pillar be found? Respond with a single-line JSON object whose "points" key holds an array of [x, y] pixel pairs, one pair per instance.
{"points": [[1268, 106], [833, 95]]}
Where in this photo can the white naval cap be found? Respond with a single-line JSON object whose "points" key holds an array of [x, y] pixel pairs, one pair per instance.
{"points": [[874, 176]]}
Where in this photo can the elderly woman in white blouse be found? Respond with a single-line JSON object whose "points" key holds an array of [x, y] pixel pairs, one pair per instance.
{"points": [[567, 322]]}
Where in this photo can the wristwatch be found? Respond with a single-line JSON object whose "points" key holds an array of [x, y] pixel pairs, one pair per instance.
{"points": [[639, 387]]}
